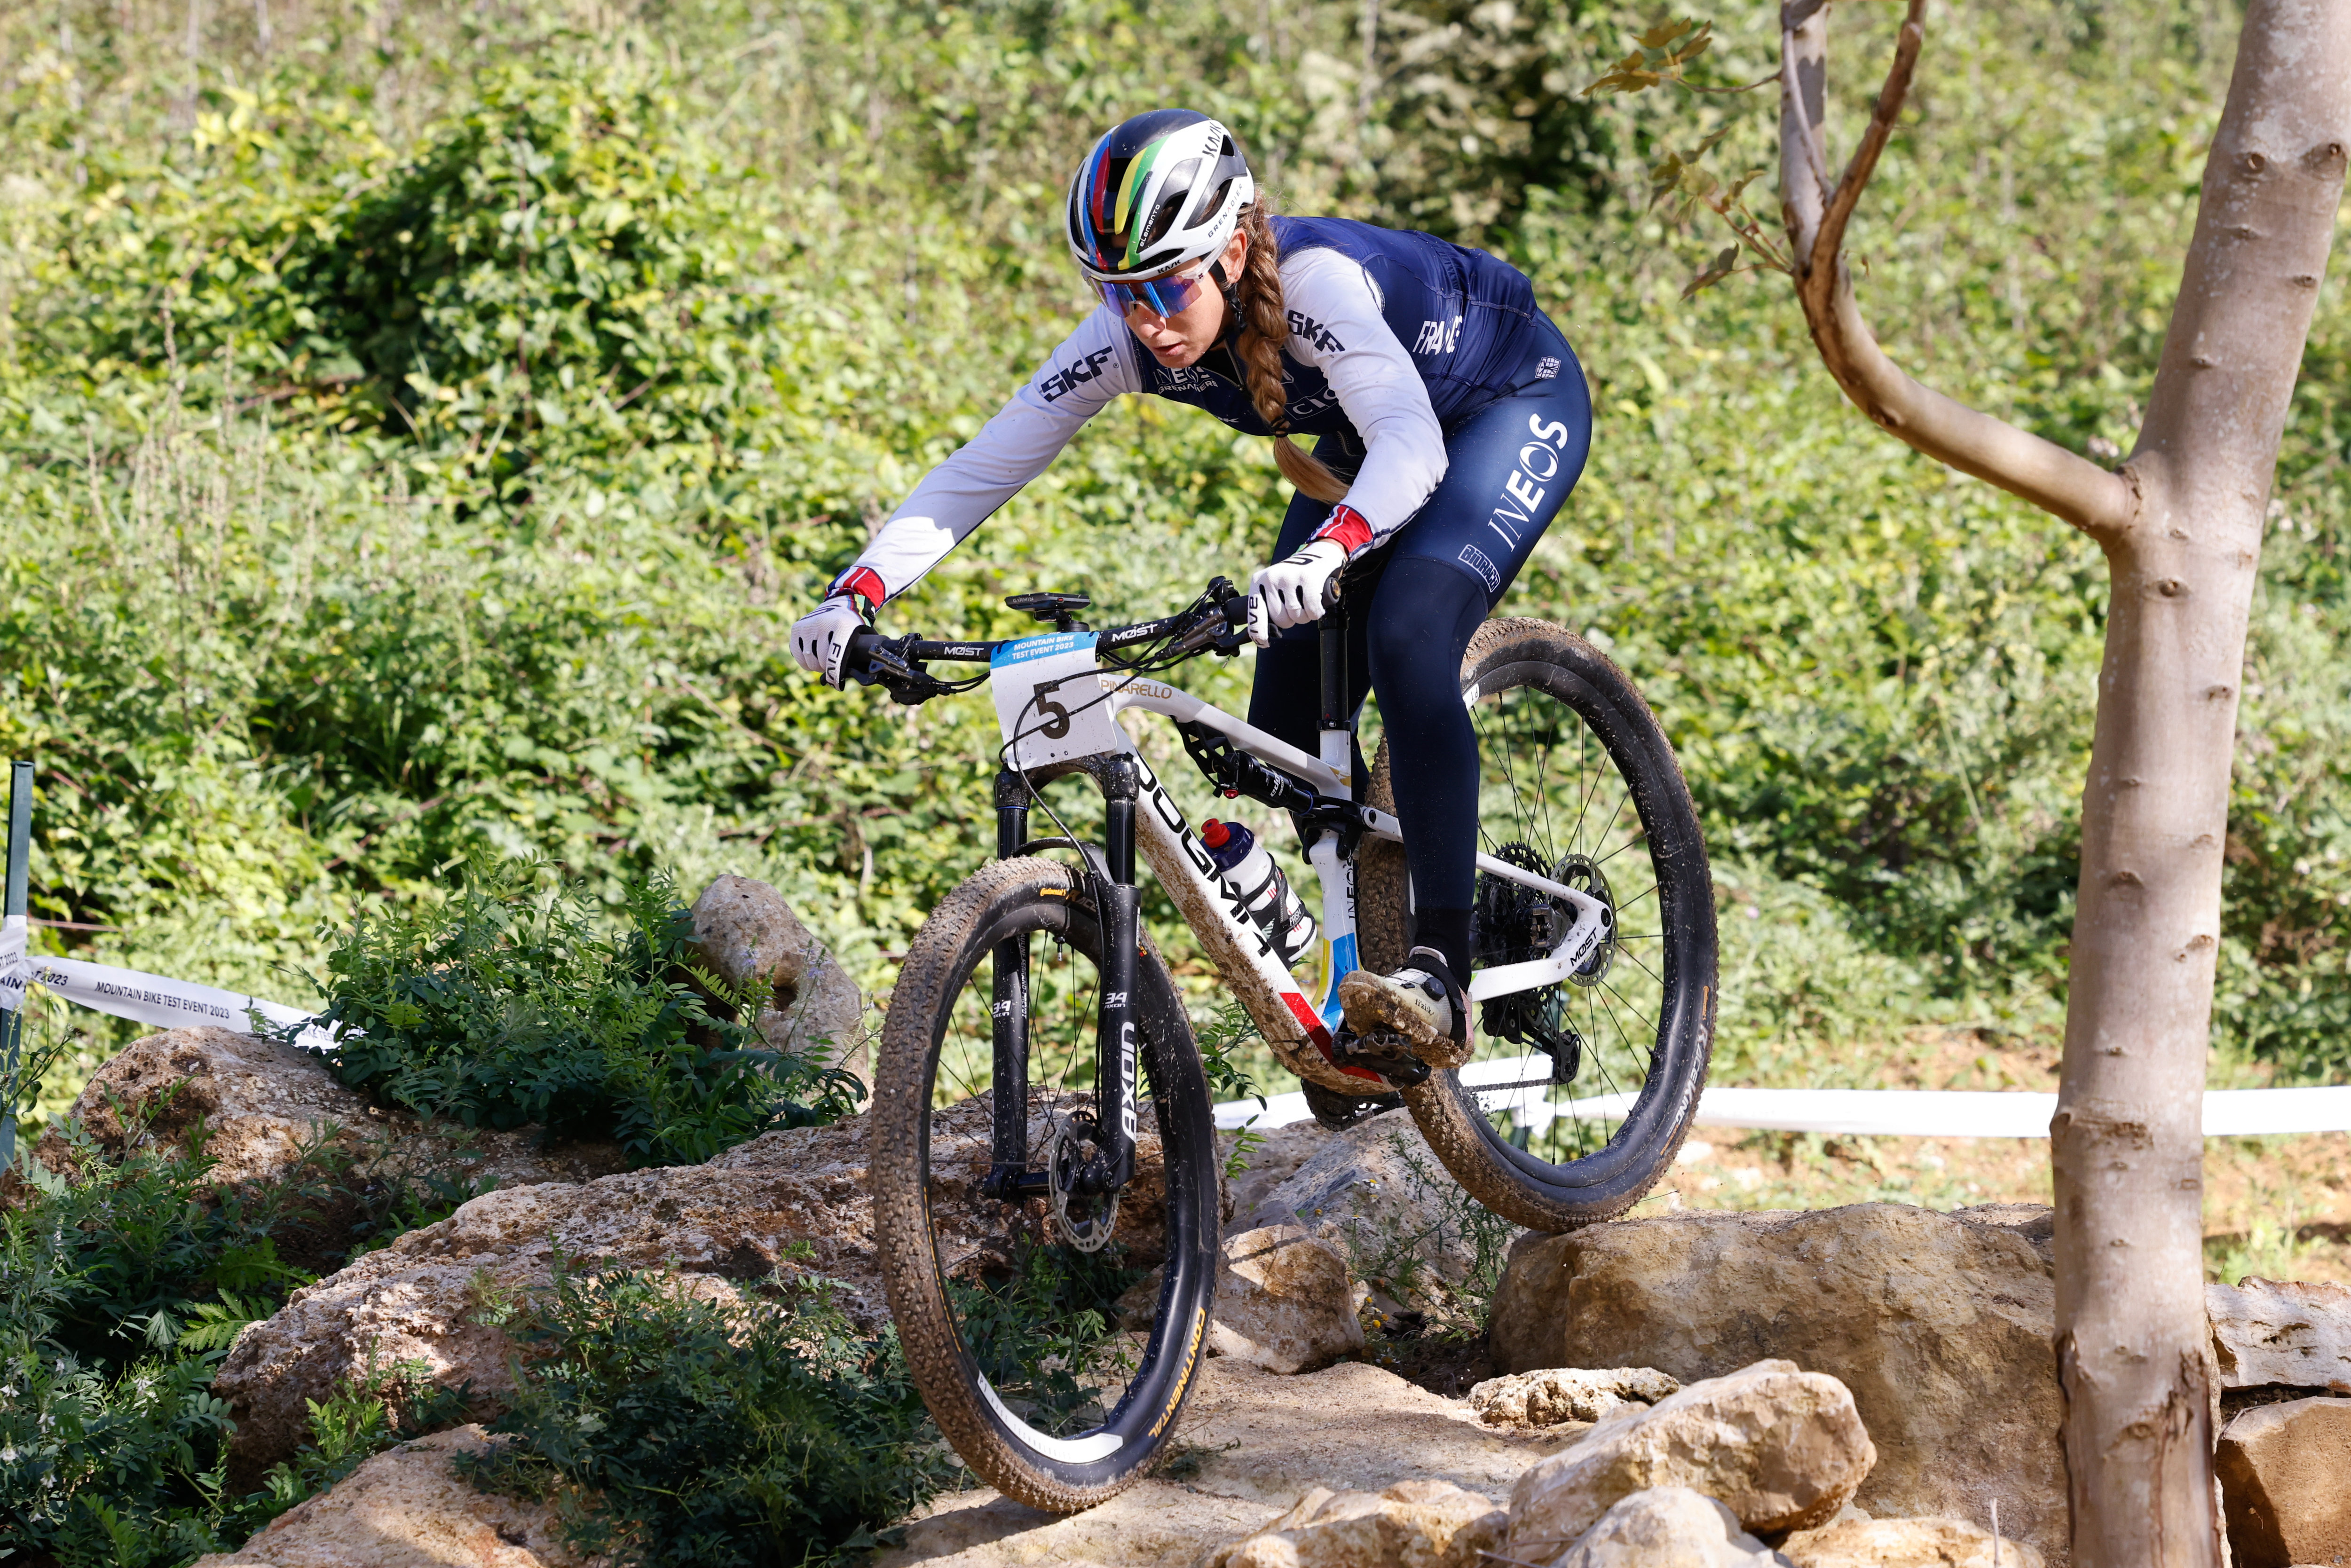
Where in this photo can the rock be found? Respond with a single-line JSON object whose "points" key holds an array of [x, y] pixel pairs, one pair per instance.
{"points": [[799, 1191], [745, 931], [1782, 1449], [1667, 1527], [1378, 1194], [1284, 1301], [2294, 1334], [1412, 1524], [2285, 1483], [1558, 1394], [409, 1509], [1272, 1161], [1251, 1444], [263, 1102], [1903, 1543], [1938, 1324]]}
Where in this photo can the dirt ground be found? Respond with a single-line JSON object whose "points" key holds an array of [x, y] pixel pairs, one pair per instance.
{"points": [[2279, 1207]]}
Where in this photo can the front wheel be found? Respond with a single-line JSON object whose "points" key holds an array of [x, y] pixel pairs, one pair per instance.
{"points": [[1009, 1306], [1577, 1095]]}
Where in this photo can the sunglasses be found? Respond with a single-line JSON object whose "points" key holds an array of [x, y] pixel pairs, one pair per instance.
{"points": [[1163, 297]]}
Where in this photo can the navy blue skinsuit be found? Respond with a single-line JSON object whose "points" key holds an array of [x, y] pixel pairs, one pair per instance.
{"points": [[1517, 418]]}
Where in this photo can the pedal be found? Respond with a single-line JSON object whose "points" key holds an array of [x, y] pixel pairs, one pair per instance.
{"points": [[1388, 1055]]}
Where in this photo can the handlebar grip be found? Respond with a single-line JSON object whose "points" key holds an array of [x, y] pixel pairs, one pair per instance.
{"points": [[1331, 592], [853, 659]]}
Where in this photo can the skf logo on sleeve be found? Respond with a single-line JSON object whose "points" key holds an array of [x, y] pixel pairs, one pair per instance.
{"points": [[1314, 333], [1069, 378], [1437, 337]]}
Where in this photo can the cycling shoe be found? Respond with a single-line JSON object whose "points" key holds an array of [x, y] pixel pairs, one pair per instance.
{"points": [[1418, 1009]]}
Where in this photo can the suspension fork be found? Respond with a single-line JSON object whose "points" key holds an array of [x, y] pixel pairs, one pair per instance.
{"points": [[1008, 1013], [1119, 913], [1116, 1085]]}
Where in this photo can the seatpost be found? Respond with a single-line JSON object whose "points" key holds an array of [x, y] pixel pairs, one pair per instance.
{"points": [[1337, 745]]}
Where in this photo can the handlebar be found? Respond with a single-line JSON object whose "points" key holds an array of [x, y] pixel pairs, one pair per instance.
{"points": [[1213, 622]]}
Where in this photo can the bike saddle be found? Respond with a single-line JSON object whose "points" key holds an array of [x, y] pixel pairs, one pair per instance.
{"points": [[1058, 608]]}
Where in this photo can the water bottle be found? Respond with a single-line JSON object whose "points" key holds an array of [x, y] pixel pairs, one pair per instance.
{"points": [[1265, 893]]}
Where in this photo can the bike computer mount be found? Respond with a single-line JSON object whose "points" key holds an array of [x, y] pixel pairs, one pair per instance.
{"points": [[1060, 609]]}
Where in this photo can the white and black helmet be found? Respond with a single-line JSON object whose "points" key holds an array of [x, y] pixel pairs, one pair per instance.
{"points": [[1159, 190]]}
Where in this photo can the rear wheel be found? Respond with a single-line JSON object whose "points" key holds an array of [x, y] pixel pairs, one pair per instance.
{"points": [[1577, 1095], [1010, 1311]]}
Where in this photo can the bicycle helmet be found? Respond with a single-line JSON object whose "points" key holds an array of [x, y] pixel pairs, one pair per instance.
{"points": [[1159, 191]]}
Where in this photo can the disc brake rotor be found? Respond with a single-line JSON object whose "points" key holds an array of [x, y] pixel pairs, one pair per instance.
{"points": [[1065, 1157]]}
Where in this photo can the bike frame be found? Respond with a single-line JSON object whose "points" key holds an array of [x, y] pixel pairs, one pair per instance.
{"points": [[1140, 816]]}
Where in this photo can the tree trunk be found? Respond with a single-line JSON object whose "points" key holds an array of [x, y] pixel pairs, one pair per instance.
{"points": [[2127, 1145], [2181, 529]]}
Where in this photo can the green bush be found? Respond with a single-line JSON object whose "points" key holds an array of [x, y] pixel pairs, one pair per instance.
{"points": [[507, 1006], [678, 1431], [121, 1288]]}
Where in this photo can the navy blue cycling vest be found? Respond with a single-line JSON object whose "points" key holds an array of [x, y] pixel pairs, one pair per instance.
{"points": [[1468, 320]]}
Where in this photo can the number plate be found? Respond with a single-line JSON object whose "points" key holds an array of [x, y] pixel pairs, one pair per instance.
{"points": [[1049, 702]]}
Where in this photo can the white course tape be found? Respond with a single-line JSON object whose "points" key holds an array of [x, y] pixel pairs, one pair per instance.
{"points": [[1895, 1113], [141, 998], [12, 963]]}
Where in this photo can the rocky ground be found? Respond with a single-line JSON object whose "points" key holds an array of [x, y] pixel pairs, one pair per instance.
{"points": [[1397, 1379]]}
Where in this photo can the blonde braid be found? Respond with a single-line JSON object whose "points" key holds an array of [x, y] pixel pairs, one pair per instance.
{"points": [[1265, 327]]}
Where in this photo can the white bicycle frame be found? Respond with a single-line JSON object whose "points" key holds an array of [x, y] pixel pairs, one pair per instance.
{"points": [[1299, 1030]]}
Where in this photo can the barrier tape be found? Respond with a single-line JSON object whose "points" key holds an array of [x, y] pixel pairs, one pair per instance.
{"points": [[143, 998], [1895, 1113], [1889, 1113]]}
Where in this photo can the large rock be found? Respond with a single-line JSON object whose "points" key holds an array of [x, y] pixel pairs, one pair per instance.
{"points": [[1782, 1449], [2265, 1333], [1667, 1527], [793, 1201], [1938, 1324], [745, 931], [409, 1509], [2285, 1483], [1905, 1543], [1251, 1444], [1378, 1194], [263, 1102], [1284, 1301], [1412, 1524], [1561, 1393]]}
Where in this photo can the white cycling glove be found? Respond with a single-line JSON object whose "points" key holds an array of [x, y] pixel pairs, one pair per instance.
{"points": [[1289, 592], [821, 637]]}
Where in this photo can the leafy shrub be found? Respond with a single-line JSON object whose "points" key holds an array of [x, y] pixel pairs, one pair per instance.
{"points": [[507, 1006], [677, 1431], [121, 1289]]}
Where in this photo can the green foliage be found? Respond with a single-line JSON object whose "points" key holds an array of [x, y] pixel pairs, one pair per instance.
{"points": [[284, 626], [509, 1007], [121, 1289], [673, 1430]]}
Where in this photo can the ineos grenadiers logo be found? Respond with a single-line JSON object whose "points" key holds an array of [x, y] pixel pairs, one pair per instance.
{"points": [[1524, 490]]}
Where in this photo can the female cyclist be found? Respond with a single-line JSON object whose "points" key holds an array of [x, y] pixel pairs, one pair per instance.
{"points": [[1453, 419]]}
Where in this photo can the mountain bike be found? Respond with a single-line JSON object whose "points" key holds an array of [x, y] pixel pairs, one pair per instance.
{"points": [[1042, 1137]]}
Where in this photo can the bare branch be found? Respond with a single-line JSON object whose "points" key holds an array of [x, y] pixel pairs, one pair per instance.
{"points": [[2067, 487]]}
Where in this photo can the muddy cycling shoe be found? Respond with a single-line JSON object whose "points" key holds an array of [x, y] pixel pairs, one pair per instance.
{"points": [[1418, 1009]]}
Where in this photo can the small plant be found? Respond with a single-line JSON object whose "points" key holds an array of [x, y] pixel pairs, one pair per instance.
{"points": [[1220, 1039], [673, 1431], [510, 1005]]}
